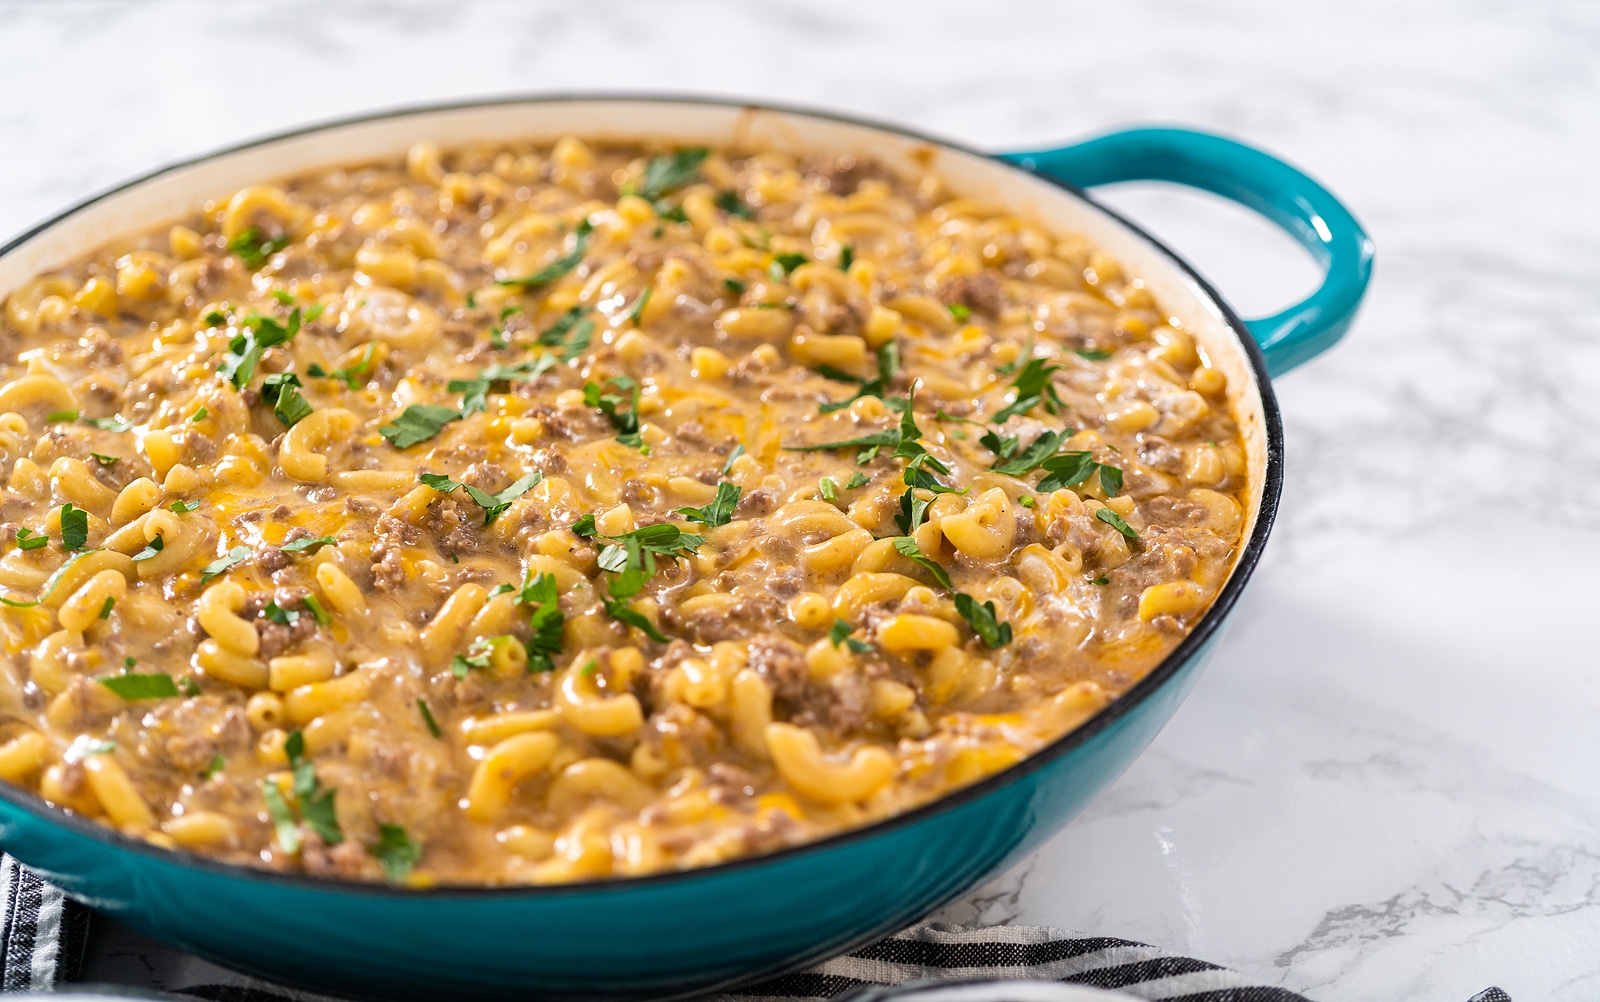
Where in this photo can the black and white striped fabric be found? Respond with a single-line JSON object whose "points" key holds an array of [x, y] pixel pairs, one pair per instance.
{"points": [[45, 933], [42, 931]]}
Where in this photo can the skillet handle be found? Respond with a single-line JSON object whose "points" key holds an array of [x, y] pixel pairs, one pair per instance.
{"points": [[1258, 181]]}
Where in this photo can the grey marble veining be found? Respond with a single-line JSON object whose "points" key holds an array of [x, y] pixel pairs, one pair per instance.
{"points": [[1387, 785]]}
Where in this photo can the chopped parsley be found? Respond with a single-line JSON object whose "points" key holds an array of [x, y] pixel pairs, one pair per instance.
{"points": [[198, 416], [493, 505], [216, 765], [1034, 387], [224, 563], [55, 417], [133, 686], [828, 489], [639, 305], [738, 450], [305, 543], [276, 613], [571, 333], [626, 422], [1016, 464], [477, 656], [427, 718], [74, 527], [546, 620], [182, 507], [631, 560], [253, 248], [1026, 501], [396, 852], [30, 540], [665, 173], [734, 286], [857, 479], [560, 266], [729, 202], [283, 297], [888, 365], [314, 605], [840, 634], [216, 318], [785, 264], [1116, 522], [104, 460], [112, 423], [1094, 354], [982, 620], [847, 256], [105, 610], [624, 613], [281, 391], [282, 818], [151, 549], [418, 423], [260, 333], [13, 603], [1069, 469], [349, 375], [1101, 580], [719, 511], [960, 311], [907, 547], [316, 804]]}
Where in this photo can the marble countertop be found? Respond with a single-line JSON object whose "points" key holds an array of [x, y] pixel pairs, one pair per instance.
{"points": [[1387, 784]]}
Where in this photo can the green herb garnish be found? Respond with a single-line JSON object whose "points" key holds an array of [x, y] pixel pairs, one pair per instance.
{"points": [[396, 852], [418, 423], [305, 543], [719, 511], [1116, 522], [427, 718], [840, 634], [74, 527], [222, 564], [982, 619], [133, 687], [560, 266]]}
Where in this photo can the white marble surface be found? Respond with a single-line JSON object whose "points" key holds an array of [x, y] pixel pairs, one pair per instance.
{"points": [[1387, 785]]}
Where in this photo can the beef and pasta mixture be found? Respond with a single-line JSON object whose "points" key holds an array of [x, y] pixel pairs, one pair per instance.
{"points": [[532, 514]]}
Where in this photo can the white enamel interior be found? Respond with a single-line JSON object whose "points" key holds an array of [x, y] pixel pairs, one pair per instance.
{"points": [[178, 191]]}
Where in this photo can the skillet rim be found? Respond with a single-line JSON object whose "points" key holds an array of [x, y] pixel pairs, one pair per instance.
{"points": [[1169, 667]]}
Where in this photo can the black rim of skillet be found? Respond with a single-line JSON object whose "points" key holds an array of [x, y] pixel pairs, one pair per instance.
{"points": [[1271, 490]]}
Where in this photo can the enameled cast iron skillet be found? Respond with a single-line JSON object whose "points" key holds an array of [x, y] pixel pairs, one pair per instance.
{"points": [[682, 933]]}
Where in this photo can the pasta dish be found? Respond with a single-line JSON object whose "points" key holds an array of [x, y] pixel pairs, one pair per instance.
{"points": [[539, 514]]}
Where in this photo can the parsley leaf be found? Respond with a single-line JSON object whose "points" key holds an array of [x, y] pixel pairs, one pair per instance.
{"points": [[222, 564], [888, 365], [1072, 468], [133, 686], [847, 257], [624, 613], [983, 621], [960, 311], [427, 718], [493, 505], [13, 603], [112, 423], [198, 416], [104, 460], [245, 349], [546, 620], [349, 375], [626, 422], [1094, 354], [667, 172], [828, 489], [639, 305], [738, 450], [719, 511], [840, 634], [787, 263], [280, 390], [1114, 520], [418, 423], [314, 606], [729, 202], [57, 416], [907, 546], [151, 548], [1030, 458], [1003, 446], [216, 765], [477, 656], [30, 540], [857, 479], [396, 852], [316, 804], [560, 266], [74, 527], [734, 286], [182, 507], [305, 543], [1034, 387], [571, 333], [253, 248], [282, 819]]}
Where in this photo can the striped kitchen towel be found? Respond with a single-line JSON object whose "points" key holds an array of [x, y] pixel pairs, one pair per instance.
{"points": [[45, 933]]}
